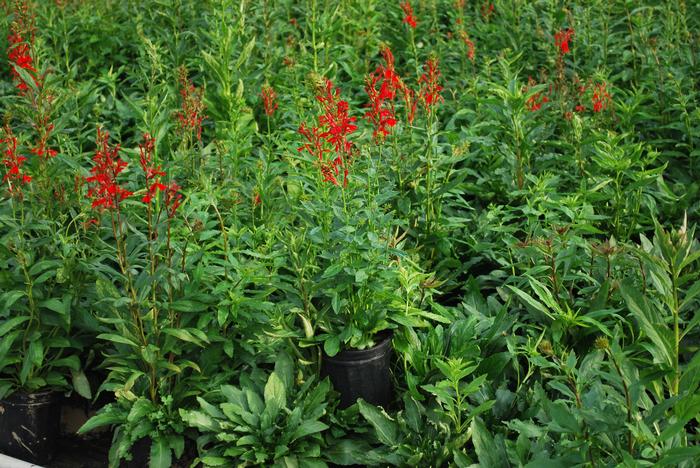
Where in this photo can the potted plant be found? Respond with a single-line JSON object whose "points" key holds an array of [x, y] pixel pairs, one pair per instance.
{"points": [[345, 256], [39, 277], [147, 318]]}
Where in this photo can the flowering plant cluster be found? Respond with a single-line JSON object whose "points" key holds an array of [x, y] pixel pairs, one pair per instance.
{"points": [[330, 135], [15, 177], [103, 187], [283, 188], [562, 39], [20, 42], [381, 112], [191, 114], [409, 17], [269, 97]]}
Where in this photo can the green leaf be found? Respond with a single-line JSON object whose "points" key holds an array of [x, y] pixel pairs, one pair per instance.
{"points": [[284, 368], [487, 450], [72, 362], [531, 301], [103, 419], [215, 461], [183, 335], [11, 323], [275, 394], [677, 455], [36, 352], [56, 305], [117, 339], [186, 305], [307, 428], [563, 418], [332, 345], [199, 420], [161, 456], [141, 408], [386, 428], [81, 384], [10, 298], [658, 334]]}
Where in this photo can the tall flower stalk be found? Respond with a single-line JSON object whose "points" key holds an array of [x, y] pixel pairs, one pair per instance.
{"points": [[409, 19], [15, 176], [430, 89], [191, 115]]}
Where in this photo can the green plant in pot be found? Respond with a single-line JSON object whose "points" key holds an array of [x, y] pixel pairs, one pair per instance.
{"points": [[344, 256], [40, 281], [147, 311]]}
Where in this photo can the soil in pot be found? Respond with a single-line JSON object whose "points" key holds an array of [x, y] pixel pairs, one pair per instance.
{"points": [[29, 426], [362, 373]]}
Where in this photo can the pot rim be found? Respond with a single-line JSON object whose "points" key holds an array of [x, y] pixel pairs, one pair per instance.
{"points": [[24, 398]]}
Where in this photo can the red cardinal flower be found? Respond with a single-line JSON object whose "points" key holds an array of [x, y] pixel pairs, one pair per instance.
{"points": [[14, 176], [601, 98], [18, 53], [153, 173], [487, 10], [561, 40], [330, 135], [381, 106], [409, 17], [335, 119], [191, 114], [430, 86], [534, 102], [103, 188], [20, 42], [173, 199], [471, 48], [269, 97]]}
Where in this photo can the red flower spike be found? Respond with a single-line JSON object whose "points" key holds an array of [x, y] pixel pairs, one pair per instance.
{"points": [[409, 17], [335, 120], [191, 114], [14, 177], [487, 10], [103, 188], [21, 39], [173, 199], [153, 173], [601, 98], [269, 97], [330, 135], [561, 40], [430, 86], [381, 106], [471, 48], [534, 102]]}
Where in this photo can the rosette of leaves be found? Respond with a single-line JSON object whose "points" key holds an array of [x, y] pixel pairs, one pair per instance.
{"points": [[140, 420], [267, 420]]}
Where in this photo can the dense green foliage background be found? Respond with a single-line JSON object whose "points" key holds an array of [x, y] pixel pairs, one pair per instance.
{"points": [[538, 264]]}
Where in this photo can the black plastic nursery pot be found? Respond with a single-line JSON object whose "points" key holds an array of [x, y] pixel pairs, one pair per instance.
{"points": [[362, 373], [29, 426]]}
